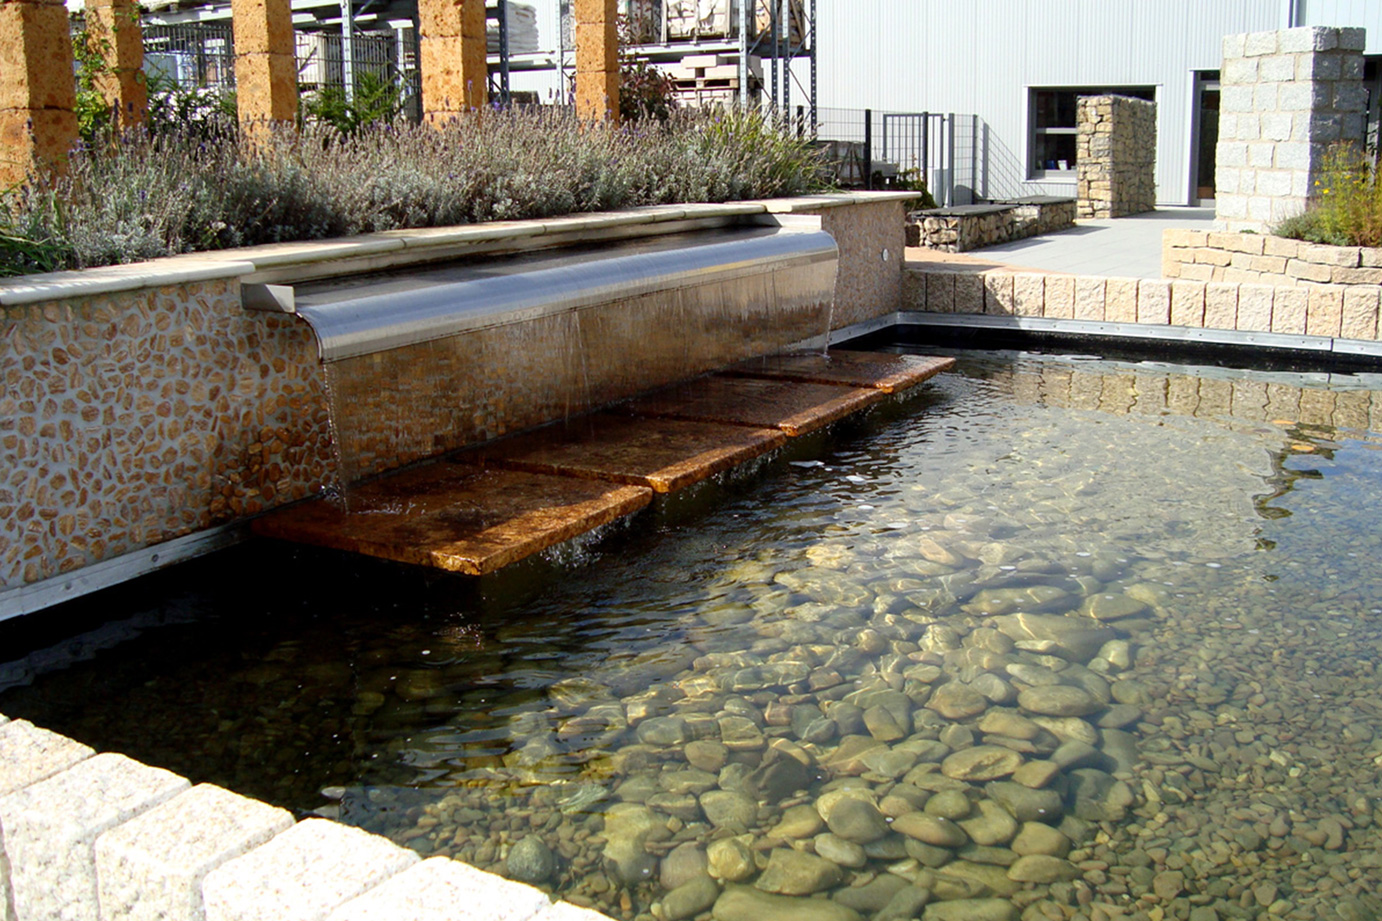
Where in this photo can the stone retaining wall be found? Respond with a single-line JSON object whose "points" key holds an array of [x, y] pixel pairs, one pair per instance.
{"points": [[86, 836], [1330, 311], [1115, 156], [952, 230], [143, 403], [1264, 259]]}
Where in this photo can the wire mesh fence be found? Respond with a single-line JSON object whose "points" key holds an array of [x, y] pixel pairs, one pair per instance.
{"points": [[872, 148]]}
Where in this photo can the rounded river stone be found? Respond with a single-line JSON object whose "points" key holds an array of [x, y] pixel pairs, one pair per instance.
{"points": [[982, 762], [1057, 700]]}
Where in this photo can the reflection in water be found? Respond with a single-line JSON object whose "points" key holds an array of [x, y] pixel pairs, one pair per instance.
{"points": [[1094, 639]]}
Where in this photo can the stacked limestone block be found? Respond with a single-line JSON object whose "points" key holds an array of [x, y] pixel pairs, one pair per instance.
{"points": [[1285, 98], [1115, 156]]}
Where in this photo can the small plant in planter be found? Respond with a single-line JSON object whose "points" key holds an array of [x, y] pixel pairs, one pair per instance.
{"points": [[1345, 206]]}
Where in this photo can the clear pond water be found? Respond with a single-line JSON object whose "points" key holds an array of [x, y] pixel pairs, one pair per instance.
{"points": [[1055, 637]]}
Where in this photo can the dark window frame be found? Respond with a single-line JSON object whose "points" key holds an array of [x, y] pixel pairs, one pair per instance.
{"points": [[1052, 113]]}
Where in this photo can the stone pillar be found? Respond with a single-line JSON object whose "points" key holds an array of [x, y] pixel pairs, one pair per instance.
{"points": [[597, 59], [37, 93], [266, 78], [1115, 156], [452, 55], [114, 24], [1285, 97]]}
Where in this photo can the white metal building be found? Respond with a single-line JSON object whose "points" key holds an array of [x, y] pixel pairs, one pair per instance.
{"points": [[1016, 64]]}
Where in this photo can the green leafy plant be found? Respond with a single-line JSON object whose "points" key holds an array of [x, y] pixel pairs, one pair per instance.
{"points": [[644, 91], [911, 180], [91, 51], [193, 110], [377, 98], [1345, 207]]}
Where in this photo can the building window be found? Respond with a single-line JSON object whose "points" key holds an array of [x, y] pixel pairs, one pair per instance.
{"points": [[1051, 141]]}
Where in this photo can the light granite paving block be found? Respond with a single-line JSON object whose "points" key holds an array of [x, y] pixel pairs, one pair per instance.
{"points": [[1255, 308], [302, 874], [440, 889], [1360, 312], [565, 911], [151, 868], [51, 829], [29, 754]]}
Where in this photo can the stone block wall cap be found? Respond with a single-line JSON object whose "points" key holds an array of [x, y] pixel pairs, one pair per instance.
{"points": [[832, 200], [173, 270]]}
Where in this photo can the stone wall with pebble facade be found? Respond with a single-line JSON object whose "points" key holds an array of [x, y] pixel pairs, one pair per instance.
{"points": [[1261, 258], [1115, 156], [132, 418], [1324, 310], [1285, 97], [90, 835], [143, 414]]}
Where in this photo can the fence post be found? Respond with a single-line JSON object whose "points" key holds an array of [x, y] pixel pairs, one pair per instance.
{"points": [[868, 148]]}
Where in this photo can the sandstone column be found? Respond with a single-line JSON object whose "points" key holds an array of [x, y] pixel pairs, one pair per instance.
{"points": [[452, 55], [114, 25], [266, 79], [1285, 97], [37, 93], [597, 59]]}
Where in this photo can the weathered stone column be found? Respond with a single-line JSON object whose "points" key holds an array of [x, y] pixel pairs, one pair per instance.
{"points": [[37, 93], [266, 78], [114, 26], [1115, 156], [1285, 97], [597, 59], [452, 55]]}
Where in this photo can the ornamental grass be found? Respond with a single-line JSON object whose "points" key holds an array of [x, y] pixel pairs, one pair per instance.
{"points": [[1345, 208], [140, 196]]}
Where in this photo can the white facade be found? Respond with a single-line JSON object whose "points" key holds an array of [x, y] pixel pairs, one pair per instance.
{"points": [[984, 57]]}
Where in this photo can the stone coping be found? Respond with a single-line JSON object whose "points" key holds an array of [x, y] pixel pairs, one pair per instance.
{"points": [[966, 210], [88, 835], [397, 246]]}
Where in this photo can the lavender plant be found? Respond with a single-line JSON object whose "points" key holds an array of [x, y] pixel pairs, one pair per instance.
{"points": [[145, 195]]}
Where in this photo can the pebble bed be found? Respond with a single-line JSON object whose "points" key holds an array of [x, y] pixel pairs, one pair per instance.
{"points": [[1007, 654]]}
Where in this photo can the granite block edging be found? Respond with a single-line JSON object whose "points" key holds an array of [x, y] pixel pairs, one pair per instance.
{"points": [[1346, 312], [1201, 255], [102, 837]]}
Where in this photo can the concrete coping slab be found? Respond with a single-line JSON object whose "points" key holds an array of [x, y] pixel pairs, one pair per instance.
{"points": [[377, 249], [51, 829], [440, 889], [879, 370], [151, 868], [302, 874]]}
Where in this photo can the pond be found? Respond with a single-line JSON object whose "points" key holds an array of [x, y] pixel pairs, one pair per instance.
{"points": [[1056, 636]]}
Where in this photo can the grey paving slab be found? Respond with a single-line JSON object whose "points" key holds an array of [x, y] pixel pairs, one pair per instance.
{"points": [[440, 889], [151, 867], [302, 874], [51, 829], [1125, 246]]}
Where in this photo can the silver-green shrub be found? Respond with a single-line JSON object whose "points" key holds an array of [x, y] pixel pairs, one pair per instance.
{"points": [[146, 195]]}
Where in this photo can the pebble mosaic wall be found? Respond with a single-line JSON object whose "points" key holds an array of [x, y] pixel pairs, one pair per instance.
{"points": [[133, 418]]}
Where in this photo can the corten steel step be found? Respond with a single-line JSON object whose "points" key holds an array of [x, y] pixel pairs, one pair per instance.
{"points": [[492, 505]]}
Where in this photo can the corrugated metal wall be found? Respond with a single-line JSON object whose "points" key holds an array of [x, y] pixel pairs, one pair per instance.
{"points": [[1365, 13], [980, 56]]}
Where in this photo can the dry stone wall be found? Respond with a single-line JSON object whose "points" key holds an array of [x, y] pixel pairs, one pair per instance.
{"points": [[1332, 311], [1285, 97], [1115, 156], [1264, 259]]}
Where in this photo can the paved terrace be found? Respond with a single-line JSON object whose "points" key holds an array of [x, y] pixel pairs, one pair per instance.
{"points": [[1125, 247]]}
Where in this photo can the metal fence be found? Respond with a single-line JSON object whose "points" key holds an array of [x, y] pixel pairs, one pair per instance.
{"points": [[871, 148], [201, 55]]}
